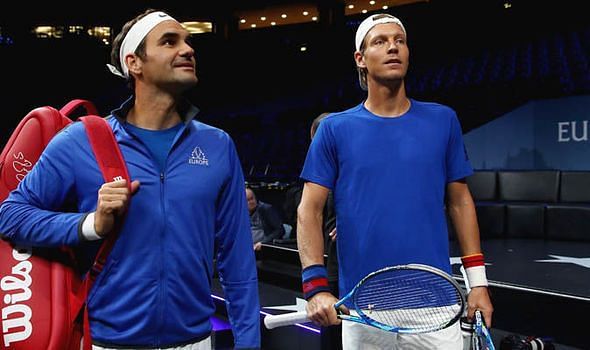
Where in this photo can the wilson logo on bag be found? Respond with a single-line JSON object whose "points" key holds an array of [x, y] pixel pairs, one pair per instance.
{"points": [[16, 288]]}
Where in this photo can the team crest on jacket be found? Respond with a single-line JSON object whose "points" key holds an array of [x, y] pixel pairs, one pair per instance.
{"points": [[198, 157]]}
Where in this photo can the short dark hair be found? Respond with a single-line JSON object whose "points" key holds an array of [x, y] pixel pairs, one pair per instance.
{"points": [[248, 187], [253, 192], [140, 51]]}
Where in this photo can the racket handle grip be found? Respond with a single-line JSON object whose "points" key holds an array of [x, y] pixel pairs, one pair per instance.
{"points": [[272, 321]]}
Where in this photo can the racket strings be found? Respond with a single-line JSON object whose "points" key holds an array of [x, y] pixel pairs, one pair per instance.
{"points": [[417, 300]]}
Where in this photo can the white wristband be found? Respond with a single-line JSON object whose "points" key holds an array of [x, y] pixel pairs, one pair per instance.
{"points": [[476, 276], [88, 228]]}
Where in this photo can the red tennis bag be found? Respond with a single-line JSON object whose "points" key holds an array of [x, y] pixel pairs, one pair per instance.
{"points": [[41, 290]]}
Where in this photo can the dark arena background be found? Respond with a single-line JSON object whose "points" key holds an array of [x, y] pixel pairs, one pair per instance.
{"points": [[516, 72]]}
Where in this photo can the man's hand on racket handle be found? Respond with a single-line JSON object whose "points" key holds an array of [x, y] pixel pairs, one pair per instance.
{"points": [[320, 309], [479, 299]]}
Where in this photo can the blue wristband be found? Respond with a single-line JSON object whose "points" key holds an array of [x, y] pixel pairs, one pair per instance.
{"points": [[313, 271], [315, 280]]}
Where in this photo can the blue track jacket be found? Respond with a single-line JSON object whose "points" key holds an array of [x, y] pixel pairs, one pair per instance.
{"points": [[154, 290]]}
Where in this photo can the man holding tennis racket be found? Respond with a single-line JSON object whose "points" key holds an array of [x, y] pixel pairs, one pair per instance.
{"points": [[393, 163]]}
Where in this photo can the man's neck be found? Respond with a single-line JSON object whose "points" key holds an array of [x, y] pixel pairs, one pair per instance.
{"points": [[154, 111], [387, 101]]}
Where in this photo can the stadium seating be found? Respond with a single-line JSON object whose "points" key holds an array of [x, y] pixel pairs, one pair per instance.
{"points": [[539, 204]]}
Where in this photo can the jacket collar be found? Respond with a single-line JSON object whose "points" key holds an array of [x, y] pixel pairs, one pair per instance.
{"points": [[187, 110]]}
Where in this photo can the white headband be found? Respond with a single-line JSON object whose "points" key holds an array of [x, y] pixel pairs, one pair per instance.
{"points": [[135, 35], [372, 21]]}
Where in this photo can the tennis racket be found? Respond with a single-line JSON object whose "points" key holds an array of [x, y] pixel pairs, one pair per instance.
{"points": [[411, 298], [481, 338]]}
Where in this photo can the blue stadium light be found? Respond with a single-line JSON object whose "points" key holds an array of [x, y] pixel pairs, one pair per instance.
{"points": [[6, 40]]}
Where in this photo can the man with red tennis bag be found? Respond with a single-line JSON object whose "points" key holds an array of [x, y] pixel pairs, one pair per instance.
{"points": [[43, 292]]}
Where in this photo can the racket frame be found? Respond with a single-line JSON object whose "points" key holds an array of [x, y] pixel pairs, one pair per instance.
{"points": [[362, 318]]}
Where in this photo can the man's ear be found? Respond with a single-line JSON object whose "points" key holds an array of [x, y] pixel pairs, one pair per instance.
{"points": [[134, 63], [359, 59]]}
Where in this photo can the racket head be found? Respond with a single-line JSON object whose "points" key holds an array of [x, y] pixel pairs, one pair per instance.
{"points": [[412, 298]]}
